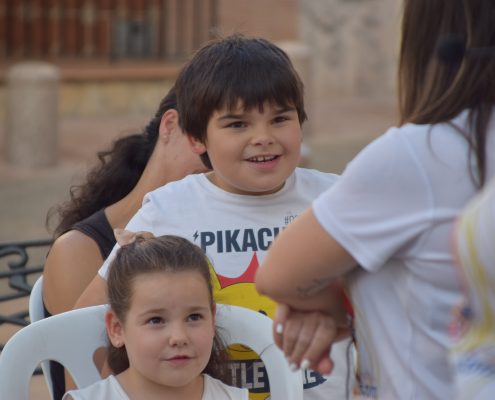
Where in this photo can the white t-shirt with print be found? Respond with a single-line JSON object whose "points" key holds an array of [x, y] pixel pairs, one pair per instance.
{"points": [[235, 231], [110, 389], [393, 210], [473, 354]]}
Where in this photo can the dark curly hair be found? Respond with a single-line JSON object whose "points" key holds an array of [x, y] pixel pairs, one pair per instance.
{"points": [[115, 175]]}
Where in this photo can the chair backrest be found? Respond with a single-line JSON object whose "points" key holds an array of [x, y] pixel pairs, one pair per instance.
{"points": [[253, 329], [72, 337], [69, 338], [36, 313]]}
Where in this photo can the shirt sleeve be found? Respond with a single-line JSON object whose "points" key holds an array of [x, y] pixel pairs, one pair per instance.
{"points": [[381, 202], [141, 221]]}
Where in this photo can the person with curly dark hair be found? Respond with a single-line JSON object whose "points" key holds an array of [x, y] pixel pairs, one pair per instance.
{"points": [[110, 195]]}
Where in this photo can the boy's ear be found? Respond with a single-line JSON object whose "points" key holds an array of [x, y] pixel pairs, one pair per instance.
{"points": [[168, 124], [196, 146], [115, 329]]}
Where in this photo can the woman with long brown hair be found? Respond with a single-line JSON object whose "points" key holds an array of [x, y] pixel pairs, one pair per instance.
{"points": [[385, 225]]}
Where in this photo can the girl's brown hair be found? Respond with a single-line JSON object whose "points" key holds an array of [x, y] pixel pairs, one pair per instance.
{"points": [[432, 91], [169, 254]]}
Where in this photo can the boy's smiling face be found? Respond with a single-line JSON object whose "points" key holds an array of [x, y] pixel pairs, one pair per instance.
{"points": [[252, 152]]}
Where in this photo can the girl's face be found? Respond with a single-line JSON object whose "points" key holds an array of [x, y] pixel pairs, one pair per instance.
{"points": [[169, 330]]}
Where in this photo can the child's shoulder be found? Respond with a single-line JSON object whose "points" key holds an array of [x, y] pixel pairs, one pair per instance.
{"points": [[217, 390], [306, 176], [181, 187], [108, 388]]}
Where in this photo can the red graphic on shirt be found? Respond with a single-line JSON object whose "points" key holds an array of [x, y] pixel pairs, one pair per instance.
{"points": [[246, 277]]}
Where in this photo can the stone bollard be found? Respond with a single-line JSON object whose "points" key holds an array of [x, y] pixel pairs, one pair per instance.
{"points": [[31, 119]]}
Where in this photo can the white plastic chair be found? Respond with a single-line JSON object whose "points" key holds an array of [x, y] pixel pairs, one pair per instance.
{"points": [[253, 329], [72, 337], [36, 313]]}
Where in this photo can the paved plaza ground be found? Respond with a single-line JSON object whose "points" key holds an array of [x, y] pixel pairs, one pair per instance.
{"points": [[338, 131]]}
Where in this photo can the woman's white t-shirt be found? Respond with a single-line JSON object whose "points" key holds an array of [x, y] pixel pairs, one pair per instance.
{"points": [[110, 389], [393, 209]]}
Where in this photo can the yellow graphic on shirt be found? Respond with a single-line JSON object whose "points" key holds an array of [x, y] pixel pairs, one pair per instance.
{"points": [[474, 354], [247, 369]]}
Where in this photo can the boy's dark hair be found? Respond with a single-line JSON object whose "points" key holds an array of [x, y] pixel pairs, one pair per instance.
{"points": [[170, 254], [232, 69]]}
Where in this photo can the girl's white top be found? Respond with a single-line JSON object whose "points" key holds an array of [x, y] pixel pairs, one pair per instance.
{"points": [[110, 389], [393, 209]]}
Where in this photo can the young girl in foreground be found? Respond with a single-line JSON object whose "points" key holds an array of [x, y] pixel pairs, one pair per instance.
{"points": [[161, 325]]}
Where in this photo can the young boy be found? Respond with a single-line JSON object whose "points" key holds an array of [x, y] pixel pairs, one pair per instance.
{"points": [[241, 104]]}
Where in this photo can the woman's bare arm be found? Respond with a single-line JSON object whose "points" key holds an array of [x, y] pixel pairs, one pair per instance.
{"points": [[72, 263], [304, 266], [95, 294]]}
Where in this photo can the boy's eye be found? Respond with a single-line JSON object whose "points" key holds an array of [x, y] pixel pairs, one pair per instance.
{"points": [[195, 317], [236, 124], [280, 118], [155, 321]]}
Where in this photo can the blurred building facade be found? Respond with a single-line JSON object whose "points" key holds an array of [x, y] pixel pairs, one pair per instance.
{"points": [[112, 31], [121, 56]]}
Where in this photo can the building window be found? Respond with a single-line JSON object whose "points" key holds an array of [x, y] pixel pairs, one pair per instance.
{"points": [[104, 30]]}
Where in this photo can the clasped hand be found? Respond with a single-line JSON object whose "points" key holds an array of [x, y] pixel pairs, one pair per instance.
{"points": [[306, 337]]}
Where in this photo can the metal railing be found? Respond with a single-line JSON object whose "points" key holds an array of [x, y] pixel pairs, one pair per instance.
{"points": [[20, 264]]}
